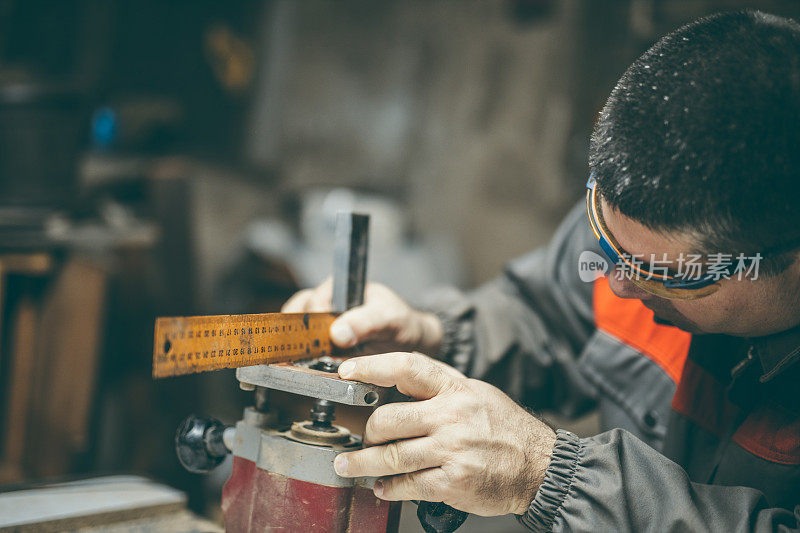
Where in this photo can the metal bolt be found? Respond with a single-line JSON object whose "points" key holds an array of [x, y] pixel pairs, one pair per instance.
{"points": [[262, 399], [322, 415], [326, 364]]}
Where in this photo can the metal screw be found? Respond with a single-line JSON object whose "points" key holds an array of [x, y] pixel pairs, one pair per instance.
{"points": [[322, 415], [262, 399], [326, 364]]}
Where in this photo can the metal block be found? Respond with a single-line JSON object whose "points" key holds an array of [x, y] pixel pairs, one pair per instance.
{"points": [[315, 384]]}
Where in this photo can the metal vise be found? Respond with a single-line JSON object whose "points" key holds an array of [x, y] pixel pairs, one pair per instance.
{"points": [[283, 476]]}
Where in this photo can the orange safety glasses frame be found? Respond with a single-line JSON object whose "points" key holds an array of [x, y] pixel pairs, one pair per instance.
{"points": [[662, 285]]}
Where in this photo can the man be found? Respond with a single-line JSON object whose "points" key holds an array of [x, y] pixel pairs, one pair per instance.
{"points": [[695, 155]]}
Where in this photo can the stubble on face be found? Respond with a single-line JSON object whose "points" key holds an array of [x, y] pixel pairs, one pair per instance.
{"points": [[665, 314]]}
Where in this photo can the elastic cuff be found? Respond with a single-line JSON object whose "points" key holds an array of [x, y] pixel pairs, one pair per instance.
{"points": [[457, 340], [557, 483]]}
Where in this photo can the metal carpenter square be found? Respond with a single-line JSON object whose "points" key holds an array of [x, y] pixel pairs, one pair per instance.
{"points": [[350, 261], [187, 345]]}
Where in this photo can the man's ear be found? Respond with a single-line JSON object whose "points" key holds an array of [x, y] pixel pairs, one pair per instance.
{"points": [[785, 266], [795, 266], [791, 266]]}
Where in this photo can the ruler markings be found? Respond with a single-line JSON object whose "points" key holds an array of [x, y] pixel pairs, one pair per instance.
{"points": [[186, 345]]}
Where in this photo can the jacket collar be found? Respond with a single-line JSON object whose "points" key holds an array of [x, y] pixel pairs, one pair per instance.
{"points": [[777, 352]]}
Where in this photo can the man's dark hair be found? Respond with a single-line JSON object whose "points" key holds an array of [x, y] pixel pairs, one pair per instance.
{"points": [[702, 135]]}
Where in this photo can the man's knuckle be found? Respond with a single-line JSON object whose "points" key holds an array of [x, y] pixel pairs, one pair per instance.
{"points": [[461, 386], [426, 488], [410, 361], [410, 365], [423, 367], [459, 477], [450, 417], [354, 462], [453, 475], [477, 386], [434, 374], [378, 420], [457, 446], [416, 415], [392, 457]]}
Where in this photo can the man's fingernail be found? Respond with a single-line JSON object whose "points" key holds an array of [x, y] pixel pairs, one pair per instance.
{"points": [[340, 465], [342, 334], [346, 369], [378, 488]]}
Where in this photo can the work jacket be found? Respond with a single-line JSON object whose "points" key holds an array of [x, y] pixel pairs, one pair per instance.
{"points": [[702, 432]]}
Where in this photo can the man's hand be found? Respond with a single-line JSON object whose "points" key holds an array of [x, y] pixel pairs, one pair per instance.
{"points": [[384, 323], [464, 443]]}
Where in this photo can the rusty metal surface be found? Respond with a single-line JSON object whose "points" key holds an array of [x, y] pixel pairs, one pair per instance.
{"points": [[256, 500], [187, 345]]}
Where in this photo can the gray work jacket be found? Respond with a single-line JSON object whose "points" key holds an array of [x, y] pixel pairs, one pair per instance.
{"points": [[702, 434]]}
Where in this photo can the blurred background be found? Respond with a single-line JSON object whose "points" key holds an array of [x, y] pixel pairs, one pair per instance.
{"points": [[187, 157]]}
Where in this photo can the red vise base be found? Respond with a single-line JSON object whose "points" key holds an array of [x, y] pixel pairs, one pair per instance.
{"points": [[256, 500]]}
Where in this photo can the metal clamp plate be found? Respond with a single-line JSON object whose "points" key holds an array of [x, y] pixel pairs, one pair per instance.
{"points": [[305, 381]]}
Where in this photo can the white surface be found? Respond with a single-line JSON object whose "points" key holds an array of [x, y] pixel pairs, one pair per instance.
{"points": [[83, 498]]}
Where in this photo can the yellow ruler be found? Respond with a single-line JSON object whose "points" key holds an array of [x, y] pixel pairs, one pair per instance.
{"points": [[192, 344]]}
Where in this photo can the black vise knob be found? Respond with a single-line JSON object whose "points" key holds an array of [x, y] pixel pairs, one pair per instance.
{"points": [[438, 517], [199, 445]]}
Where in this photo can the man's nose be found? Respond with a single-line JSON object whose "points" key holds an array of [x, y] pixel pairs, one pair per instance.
{"points": [[623, 287]]}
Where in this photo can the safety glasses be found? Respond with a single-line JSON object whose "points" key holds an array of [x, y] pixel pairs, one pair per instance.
{"points": [[655, 281]]}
